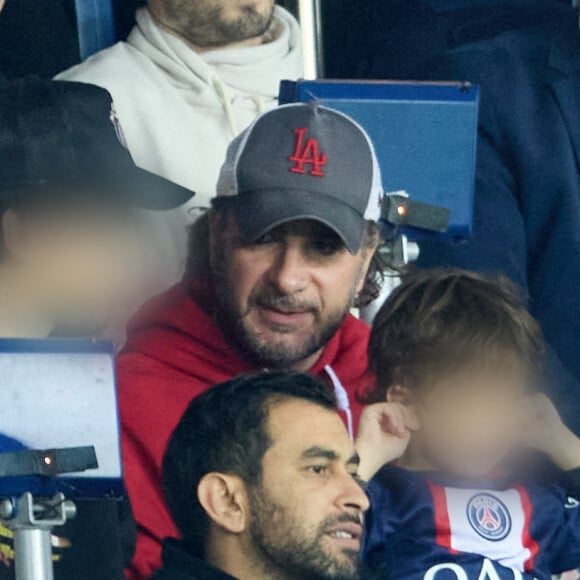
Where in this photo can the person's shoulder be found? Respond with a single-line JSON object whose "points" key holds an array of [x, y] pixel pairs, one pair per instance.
{"points": [[118, 63], [397, 496], [551, 494], [346, 353], [507, 57], [395, 482], [355, 328], [173, 347], [519, 52], [350, 343]]}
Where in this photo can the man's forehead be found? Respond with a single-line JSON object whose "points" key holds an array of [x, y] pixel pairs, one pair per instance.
{"points": [[297, 427], [307, 228]]}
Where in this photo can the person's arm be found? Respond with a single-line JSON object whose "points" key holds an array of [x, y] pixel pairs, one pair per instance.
{"points": [[549, 435], [383, 437]]}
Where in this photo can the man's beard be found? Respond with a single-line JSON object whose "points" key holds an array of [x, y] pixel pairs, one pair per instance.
{"points": [[286, 551], [264, 353], [202, 22]]}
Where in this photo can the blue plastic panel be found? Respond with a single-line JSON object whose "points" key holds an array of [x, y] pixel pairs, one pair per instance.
{"points": [[425, 136], [61, 393]]}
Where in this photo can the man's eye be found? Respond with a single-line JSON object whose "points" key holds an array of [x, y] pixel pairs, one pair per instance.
{"points": [[319, 469], [327, 247]]}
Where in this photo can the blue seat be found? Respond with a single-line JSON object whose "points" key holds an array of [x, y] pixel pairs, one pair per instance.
{"points": [[96, 25]]}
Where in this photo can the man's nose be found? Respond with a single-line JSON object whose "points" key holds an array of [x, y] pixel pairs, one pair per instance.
{"points": [[353, 496], [290, 272]]}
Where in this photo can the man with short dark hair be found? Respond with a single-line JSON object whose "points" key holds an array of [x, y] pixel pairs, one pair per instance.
{"points": [[288, 248], [261, 478]]}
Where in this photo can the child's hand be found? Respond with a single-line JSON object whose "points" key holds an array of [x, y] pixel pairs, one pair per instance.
{"points": [[548, 433], [383, 436]]}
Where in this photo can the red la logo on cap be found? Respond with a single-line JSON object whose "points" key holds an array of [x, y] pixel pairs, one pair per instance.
{"points": [[307, 153]]}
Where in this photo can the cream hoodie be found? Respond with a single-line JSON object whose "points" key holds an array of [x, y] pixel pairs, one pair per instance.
{"points": [[179, 110]]}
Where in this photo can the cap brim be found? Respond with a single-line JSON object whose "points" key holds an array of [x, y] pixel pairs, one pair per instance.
{"points": [[259, 211], [145, 190]]}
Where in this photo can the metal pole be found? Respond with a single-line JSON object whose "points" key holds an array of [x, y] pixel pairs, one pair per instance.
{"points": [[309, 14], [31, 521], [33, 554]]}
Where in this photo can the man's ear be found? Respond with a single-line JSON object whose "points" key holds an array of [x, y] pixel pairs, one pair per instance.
{"points": [[225, 501], [404, 397]]}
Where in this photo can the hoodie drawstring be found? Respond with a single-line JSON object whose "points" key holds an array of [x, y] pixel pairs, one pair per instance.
{"points": [[342, 400], [227, 97], [260, 104]]}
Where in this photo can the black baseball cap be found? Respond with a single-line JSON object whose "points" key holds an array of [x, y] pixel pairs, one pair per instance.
{"points": [[56, 134], [303, 161]]}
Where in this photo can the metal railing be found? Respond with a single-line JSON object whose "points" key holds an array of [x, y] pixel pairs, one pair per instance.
{"points": [[310, 17]]}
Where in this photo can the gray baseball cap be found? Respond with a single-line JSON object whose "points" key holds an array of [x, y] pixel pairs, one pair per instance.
{"points": [[303, 161]]}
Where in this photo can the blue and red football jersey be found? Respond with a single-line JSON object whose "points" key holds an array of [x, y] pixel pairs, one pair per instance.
{"points": [[421, 529]]}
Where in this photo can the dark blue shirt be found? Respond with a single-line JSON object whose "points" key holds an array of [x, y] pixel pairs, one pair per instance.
{"points": [[420, 528]]}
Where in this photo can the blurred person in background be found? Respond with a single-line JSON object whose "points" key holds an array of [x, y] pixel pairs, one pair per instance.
{"points": [[192, 75], [67, 246], [525, 55]]}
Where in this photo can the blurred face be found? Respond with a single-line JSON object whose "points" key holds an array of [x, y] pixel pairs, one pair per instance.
{"points": [[470, 421], [215, 23], [308, 510], [79, 262], [282, 297]]}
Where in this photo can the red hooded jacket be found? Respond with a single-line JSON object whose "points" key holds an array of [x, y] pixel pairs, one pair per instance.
{"points": [[175, 352]]}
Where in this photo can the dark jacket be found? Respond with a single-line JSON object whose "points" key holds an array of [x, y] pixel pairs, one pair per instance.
{"points": [[178, 564], [526, 58], [38, 38], [41, 38]]}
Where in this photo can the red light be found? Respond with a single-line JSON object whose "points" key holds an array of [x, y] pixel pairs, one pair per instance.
{"points": [[402, 210]]}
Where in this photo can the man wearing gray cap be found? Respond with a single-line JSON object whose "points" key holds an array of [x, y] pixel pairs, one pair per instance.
{"points": [[288, 248]]}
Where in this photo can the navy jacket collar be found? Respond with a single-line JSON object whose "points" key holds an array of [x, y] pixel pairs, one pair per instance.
{"points": [[179, 564]]}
